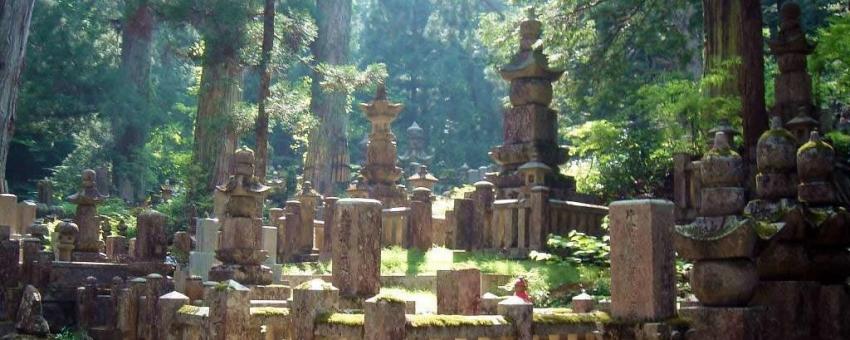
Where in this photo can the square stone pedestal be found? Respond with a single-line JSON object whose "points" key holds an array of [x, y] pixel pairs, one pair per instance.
{"points": [[729, 323]]}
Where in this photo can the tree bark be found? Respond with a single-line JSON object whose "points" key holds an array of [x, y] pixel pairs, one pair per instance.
{"points": [[15, 16], [131, 122], [733, 29], [215, 135], [327, 160], [262, 123]]}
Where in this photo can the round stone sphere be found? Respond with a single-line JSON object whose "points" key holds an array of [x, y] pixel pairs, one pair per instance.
{"points": [[815, 160], [724, 283]]}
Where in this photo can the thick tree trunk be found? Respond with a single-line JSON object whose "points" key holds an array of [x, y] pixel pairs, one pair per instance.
{"points": [[215, 136], [327, 160], [733, 30], [15, 16], [130, 124], [262, 124]]}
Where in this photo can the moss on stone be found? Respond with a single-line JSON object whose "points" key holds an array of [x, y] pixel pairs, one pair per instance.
{"points": [[189, 309], [353, 320], [269, 311], [781, 133], [817, 145], [390, 298], [422, 320], [571, 318]]}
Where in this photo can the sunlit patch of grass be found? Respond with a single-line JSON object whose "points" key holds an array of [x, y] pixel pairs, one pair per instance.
{"points": [[426, 300], [307, 268]]}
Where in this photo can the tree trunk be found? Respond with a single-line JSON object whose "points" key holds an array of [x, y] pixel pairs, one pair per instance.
{"points": [[733, 29], [131, 121], [262, 124], [326, 163], [215, 135], [15, 16]]}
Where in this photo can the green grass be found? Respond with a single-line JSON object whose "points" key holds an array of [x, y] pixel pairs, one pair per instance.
{"points": [[426, 300], [399, 261]]}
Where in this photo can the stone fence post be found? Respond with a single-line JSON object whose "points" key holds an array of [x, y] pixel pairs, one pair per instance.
{"points": [[328, 215], [421, 222], [643, 286], [384, 318], [309, 300], [128, 308], [168, 306], [292, 231], [520, 313], [466, 235], [538, 228], [484, 198]]}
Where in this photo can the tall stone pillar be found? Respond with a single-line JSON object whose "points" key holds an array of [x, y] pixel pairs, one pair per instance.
{"points": [[643, 285], [10, 254], [310, 202], [521, 313], [151, 245], [357, 248], [294, 243], [241, 226], [88, 243], [202, 259], [458, 291], [167, 312], [309, 300], [380, 171], [9, 212], [421, 222], [384, 319], [26, 215]]}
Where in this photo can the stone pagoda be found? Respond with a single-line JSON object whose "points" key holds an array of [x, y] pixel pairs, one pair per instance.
{"points": [[793, 84], [240, 250], [381, 171], [417, 151], [530, 154], [87, 247]]}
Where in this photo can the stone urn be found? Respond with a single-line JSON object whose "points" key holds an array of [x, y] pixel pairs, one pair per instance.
{"points": [[721, 166], [67, 236], [776, 149]]}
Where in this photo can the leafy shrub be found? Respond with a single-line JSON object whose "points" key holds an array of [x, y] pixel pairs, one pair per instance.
{"points": [[577, 248]]}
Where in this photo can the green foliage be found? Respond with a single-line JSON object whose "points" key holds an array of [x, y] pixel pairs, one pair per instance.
{"points": [[830, 64], [70, 334], [683, 285], [578, 248], [841, 142]]}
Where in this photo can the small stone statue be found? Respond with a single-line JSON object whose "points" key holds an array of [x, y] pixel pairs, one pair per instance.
{"points": [[30, 319]]}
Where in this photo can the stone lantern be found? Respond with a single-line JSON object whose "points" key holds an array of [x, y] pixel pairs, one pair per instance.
{"points": [[381, 171], [88, 243], [535, 173], [422, 179]]}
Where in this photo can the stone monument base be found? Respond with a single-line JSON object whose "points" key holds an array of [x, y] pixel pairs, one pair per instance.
{"points": [[732, 323], [790, 308], [244, 274], [79, 256]]}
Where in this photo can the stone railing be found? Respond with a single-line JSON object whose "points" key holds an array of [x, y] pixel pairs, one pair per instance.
{"points": [[567, 215], [686, 186], [395, 227]]}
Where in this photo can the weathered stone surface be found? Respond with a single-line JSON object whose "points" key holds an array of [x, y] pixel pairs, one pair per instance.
{"points": [[9, 212], [642, 260], [833, 306], [30, 319], [724, 283], [117, 248], [310, 202], [783, 261], [381, 171], [10, 251], [230, 311], [459, 291], [722, 201], [206, 235], [168, 305], [357, 247], [421, 225], [26, 215], [520, 313], [732, 323], [310, 300], [384, 319], [715, 238], [151, 243], [466, 235], [776, 151], [294, 243], [87, 199], [327, 241], [776, 185], [583, 303], [790, 311], [31, 248]]}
